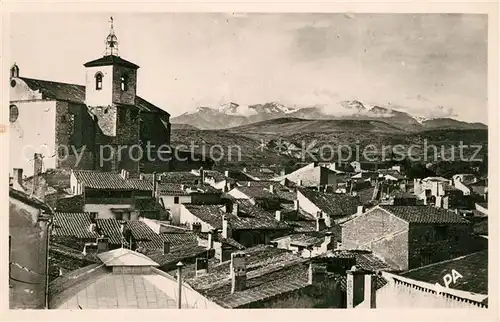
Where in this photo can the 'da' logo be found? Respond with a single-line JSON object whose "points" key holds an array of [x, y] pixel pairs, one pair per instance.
{"points": [[450, 278]]}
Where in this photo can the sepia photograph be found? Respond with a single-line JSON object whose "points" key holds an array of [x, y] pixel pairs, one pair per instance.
{"points": [[244, 160]]}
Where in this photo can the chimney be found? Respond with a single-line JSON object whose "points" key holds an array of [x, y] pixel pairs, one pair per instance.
{"points": [[296, 205], [155, 185], [235, 209], [38, 164], [316, 273], [238, 272], [18, 176], [211, 237], [226, 232], [122, 226], [183, 187], [166, 247], [278, 215], [196, 227], [179, 284], [201, 266], [226, 174], [227, 186], [93, 217], [244, 169], [102, 244], [360, 287], [282, 172], [248, 184], [360, 210], [320, 224], [271, 188], [299, 182], [202, 175]]}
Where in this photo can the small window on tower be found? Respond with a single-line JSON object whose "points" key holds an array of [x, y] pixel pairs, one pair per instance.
{"points": [[124, 83], [98, 81]]}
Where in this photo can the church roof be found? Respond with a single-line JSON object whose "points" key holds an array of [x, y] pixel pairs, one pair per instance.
{"points": [[110, 60], [76, 93]]}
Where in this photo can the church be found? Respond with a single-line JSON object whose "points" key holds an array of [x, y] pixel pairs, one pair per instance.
{"points": [[89, 126]]}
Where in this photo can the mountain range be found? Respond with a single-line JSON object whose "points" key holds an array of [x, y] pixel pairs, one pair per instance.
{"points": [[233, 115]]}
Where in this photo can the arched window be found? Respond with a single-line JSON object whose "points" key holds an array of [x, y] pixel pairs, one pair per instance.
{"points": [[124, 83], [98, 81]]}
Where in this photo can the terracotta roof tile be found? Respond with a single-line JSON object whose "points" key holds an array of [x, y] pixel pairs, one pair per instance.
{"points": [[332, 204], [472, 267], [176, 254], [74, 224], [141, 185], [148, 239], [112, 229], [101, 180], [425, 215]]}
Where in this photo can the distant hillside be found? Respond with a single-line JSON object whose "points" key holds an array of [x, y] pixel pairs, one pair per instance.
{"points": [[448, 123], [181, 126], [289, 126]]}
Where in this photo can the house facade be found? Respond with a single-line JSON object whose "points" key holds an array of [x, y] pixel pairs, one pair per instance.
{"points": [[409, 236]]}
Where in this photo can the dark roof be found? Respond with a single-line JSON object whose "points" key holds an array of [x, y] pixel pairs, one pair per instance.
{"points": [[110, 60], [149, 239], [76, 93], [210, 214], [257, 192], [176, 254], [29, 200], [481, 227], [56, 90], [365, 259], [270, 272], [472, 267], [250, 217], [332, 204], [147, 204], [300, 226], [111, 228], [73, 224], [257, 258], [479, 183], [218, 238], [101, 180], [185, 177], [425, 215], [140, 185]]}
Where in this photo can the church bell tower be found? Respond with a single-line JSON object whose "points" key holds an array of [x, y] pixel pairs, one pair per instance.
{"points": [[110, 85]]}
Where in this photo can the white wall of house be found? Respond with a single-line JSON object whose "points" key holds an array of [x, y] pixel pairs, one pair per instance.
{"points": [[238, 194], [186, 217], [307, 205], [76, 188], [170, 203]]}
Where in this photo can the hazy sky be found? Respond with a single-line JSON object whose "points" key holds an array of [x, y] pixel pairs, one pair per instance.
{"points": [[419, 62]]}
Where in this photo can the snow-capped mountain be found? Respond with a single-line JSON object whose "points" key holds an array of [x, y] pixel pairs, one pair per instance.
{"points": [[232, 114]]}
